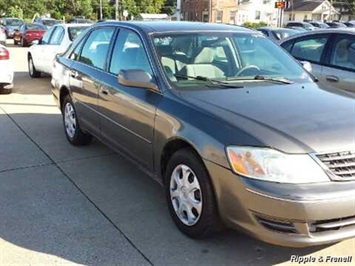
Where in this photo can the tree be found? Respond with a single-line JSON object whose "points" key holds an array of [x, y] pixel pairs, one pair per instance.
{"points": [[15, 11]]}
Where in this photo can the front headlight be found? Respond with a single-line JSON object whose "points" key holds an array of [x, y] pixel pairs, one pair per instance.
{"points": [[271, 165]]}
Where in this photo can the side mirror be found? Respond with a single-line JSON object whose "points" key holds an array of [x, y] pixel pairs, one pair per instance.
{"points": [[136, 78], [306, 65]]}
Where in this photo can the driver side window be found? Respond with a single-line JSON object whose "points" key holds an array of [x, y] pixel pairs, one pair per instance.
{"points": [[129, 53]]}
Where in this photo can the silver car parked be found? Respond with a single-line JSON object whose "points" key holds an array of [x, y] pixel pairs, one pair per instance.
{"points": [[331, 53]]}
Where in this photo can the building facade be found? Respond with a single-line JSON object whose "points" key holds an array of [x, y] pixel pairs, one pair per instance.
{"points": [[230, 11], [240, 11]]}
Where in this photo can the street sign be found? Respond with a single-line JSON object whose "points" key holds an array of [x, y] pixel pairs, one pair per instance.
{"points": [[280, 4]]}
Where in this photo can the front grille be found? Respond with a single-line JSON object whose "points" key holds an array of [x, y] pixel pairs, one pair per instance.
{"points": [[277, 225], [332, 225], [340, 164]]}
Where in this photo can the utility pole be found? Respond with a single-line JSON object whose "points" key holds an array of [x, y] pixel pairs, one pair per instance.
{"points": [[178, 10], [100, 9], [116, 10]]}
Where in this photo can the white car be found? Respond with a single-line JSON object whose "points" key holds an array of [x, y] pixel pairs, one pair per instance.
{"points": [[2, 36], [56, 40], [6, 70]]}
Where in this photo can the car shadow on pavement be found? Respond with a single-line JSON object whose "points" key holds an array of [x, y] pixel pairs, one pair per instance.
{"points": [[88, 205], [23, 84]]}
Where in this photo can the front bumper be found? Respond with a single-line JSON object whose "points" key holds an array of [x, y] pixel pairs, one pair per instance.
{"points": [[285, 214]]}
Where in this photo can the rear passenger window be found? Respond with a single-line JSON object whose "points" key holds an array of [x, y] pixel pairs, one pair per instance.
{"points": [[310, 49], [96, 47]]}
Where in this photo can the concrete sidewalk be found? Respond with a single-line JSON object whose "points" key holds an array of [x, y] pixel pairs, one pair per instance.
{"points": [[45, 218]]}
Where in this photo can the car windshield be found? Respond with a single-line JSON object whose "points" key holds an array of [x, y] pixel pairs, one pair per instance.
{"points": [[192, 59], [75, 32], [50, 22], [35, 27], [14, 22]]}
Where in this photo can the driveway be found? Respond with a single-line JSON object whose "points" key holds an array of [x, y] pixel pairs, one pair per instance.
{"points": [[61, 204]]}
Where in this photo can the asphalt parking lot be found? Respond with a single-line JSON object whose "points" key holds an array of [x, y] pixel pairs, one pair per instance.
{"points": [[61, 204]]}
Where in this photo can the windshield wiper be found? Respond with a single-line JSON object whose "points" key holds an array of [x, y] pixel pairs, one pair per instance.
{"points": [[261, 77], [212, 81]]}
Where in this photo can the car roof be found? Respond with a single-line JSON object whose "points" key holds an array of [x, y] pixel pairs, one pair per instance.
{"points": [[70, 25], [173, 26], [350, 31]]}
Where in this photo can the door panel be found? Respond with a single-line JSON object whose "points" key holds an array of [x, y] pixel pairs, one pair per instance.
{"points": [[84, 84], [86, 75], [340, 78], [340, 68], [38, 50], [128, 113], [127, 118]]}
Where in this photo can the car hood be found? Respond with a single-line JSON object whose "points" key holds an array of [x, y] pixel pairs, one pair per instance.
{"points": [[294, 118]]}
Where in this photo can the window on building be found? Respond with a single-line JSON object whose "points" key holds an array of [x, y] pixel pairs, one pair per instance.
{"points": [[232, 17], [257, 15], [305, 17], [205, 17], [219, 16], [290, 17]]}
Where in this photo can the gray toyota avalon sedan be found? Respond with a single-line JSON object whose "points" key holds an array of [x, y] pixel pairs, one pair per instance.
{"points": [[237, 132]]}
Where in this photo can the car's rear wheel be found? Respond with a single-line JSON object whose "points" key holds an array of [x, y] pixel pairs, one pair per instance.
{"points": [[23, 42], [31, 69], [190, 195], [72, 128], [5, 88]]}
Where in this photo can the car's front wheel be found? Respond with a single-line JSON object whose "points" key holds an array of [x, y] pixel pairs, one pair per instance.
{"points": [[31, 69], [190, 196], [72, 129]]}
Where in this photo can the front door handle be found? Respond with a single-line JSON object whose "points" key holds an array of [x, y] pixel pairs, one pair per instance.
{"points": [[74, 74], [332, 78]]}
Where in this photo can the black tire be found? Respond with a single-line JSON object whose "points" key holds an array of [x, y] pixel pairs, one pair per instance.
{"points": [[4, 91], [23, 42], [72, 128], [207, 221], [31, 69]]}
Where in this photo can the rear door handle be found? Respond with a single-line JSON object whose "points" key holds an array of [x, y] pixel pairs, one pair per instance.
{"points": [[332, 78]]}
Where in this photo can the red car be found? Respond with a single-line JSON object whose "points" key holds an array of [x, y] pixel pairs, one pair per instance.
{"points": [[29, 33]]}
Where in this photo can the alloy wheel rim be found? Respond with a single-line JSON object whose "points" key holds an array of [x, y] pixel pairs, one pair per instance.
{"points": [[186, 195], [69, 120]]}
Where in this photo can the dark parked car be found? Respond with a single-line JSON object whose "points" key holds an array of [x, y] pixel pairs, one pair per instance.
{"points": [[350, 24], [10, 25], [331, 53], [80, 21], [335, 24], [277, 34], [234, 128], [47, 22], [29, 33], [319, 24], [305, 25]]}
